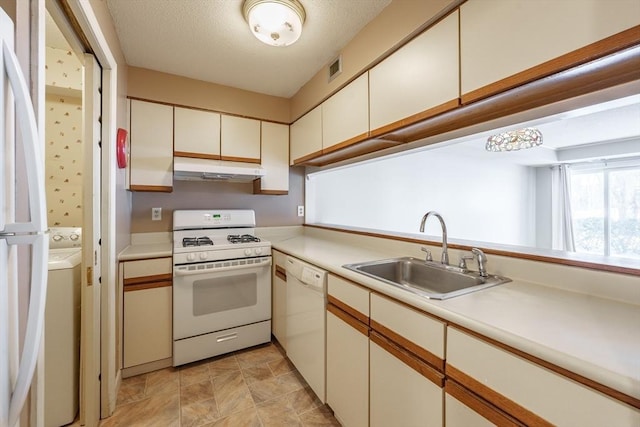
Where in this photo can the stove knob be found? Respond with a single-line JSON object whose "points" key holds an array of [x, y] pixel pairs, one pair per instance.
{"points": [[203, 255], [258, 251], [57, 238], [74, 237], [247, 252], [191, 257]]}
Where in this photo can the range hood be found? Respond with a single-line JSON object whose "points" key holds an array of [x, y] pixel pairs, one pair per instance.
{"points": [[188, 169]]}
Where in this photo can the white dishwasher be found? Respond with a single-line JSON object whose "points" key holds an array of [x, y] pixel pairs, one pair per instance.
{"points": [[306, 320]]}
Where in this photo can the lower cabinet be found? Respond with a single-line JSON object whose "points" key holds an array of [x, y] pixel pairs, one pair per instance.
{"points": [[400, 392], [147, 315]]}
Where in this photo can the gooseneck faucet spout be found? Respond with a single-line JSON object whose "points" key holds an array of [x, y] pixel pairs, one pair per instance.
{"points": [[445, 254]]}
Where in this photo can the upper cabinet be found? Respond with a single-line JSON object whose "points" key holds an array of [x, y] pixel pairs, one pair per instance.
{"points": [[306, 136], [240, 139], [419, 80], [501, 39], [151, 151], [275, 160], [345, 116], [197, 133]]}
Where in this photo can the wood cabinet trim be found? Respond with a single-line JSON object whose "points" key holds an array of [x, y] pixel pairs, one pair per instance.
{"points": [[531, 257], [257, 183], [618, 395], [303, 159], [349, 320], [431, 112], [351, 141], [479, 406], [156, 188], [607, 46], [196, 155], [408, 359], [493, 397], [147, 279], [147, 285], [240, 159], [348, 309], [281, 273], [414, 348]]}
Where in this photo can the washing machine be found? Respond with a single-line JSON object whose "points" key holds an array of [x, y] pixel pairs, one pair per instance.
{"points": [[62, 327]]}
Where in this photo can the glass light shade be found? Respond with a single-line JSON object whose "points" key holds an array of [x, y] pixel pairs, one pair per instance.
{"points": [[514, 140], [275, 22]]}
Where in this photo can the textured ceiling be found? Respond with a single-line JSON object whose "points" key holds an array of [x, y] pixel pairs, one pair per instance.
{"points": [[209, 40]]}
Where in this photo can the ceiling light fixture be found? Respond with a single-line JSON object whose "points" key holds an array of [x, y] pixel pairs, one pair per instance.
{"points": [[514, 140], [275, 22]]}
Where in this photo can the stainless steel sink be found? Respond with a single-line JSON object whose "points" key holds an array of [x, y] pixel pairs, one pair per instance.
{"points": [[426, 278]]}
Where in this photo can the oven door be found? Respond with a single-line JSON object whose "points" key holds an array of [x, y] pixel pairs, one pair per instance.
{"points": [[213, 296]]}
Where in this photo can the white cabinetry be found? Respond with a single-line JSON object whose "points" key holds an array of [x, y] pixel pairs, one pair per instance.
{"points": [[147, 320], [275, 160], [240, 139], [345, 116], [348, 352], [197, 133], [279, 298], [419, 80], [500, 38], [528, 391], [306, 136], [151, 151]]}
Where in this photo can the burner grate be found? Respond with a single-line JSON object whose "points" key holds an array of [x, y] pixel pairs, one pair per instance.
{"points": [[196, 241], [244, 238]]}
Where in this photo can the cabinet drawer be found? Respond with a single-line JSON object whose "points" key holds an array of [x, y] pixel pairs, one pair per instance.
{"points": [[351, 298], [415, 331], [148, 270], [533, 391]]}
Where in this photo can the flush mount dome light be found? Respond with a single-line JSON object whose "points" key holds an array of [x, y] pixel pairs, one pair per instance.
{"points": [[275, 22], [514, 140]]}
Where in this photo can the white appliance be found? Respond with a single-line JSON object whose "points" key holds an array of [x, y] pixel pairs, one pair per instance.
{"points": [[221, 284], [23, 240], [62, 327], [306, 322]]}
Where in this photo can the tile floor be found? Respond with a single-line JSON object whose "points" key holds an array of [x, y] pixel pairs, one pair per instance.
{"points": [[253, 387]]}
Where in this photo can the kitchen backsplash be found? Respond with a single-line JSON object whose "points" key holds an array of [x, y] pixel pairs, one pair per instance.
{"points": [[270, 210]]}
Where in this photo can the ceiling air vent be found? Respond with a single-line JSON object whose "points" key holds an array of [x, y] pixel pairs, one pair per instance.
{"points": [[335, 68]]}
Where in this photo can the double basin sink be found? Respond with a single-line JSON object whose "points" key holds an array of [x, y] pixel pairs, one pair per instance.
{"points": [[426, 278]]}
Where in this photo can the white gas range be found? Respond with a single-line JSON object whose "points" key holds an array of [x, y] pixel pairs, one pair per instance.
{"points": [[221, 284]]}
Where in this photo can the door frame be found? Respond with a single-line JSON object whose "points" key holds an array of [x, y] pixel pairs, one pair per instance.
{"points": [[87, 23]]}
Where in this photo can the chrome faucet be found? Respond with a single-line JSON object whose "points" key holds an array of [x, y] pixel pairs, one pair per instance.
{"points": [[445, 255], [482, 261]]}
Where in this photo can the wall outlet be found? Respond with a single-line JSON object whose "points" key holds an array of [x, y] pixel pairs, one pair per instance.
{"points": [[156, 214], [300, 210]]}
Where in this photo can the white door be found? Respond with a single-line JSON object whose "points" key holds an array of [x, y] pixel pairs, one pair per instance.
{"points": [[90, 330]]}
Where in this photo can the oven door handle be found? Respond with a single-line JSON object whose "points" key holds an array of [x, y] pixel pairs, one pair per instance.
{"points": [[262, 263]]}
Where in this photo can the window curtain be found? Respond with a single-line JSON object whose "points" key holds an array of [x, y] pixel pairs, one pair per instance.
{"points": [[561, 221]]}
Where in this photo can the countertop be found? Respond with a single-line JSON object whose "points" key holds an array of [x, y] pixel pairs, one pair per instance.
{"points": [[156, 250], [594, 337]]}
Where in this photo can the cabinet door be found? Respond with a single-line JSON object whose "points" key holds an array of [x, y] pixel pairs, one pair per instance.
{"points": [[279, 301], [151, 151], [347, 372], [419, 80], [457, 414], [275, 160], [147, 325], [345, 116], [240, 139], [399, 395], [500, 38], [197, 133], [306, 136]]}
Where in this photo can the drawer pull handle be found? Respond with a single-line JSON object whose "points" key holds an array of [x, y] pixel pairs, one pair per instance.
{"points": [[224, 338]]}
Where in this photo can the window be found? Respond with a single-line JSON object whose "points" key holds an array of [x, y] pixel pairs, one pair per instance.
{"points": [[605, 207]]}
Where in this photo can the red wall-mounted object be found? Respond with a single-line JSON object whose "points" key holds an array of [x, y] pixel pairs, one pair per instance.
{"points": [[121, 148]]}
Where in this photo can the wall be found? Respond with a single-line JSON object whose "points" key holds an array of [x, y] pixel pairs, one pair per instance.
{"points": [[158, 86], [394, 193], [397, 21], [270, 210]]}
